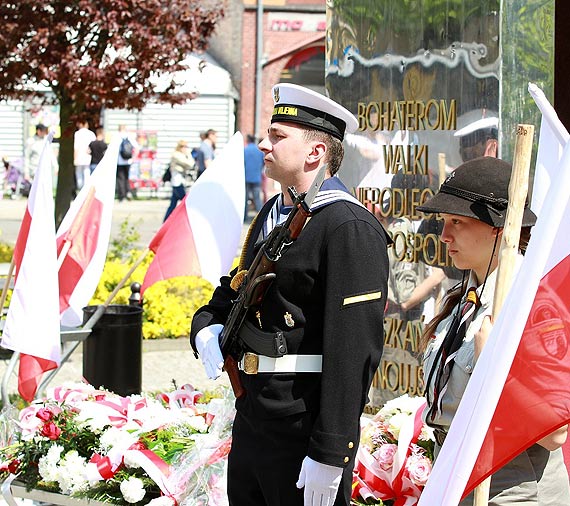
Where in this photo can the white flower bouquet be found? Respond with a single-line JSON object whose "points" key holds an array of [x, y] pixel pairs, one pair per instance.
{"points": [[85, 442], [395, 455]]}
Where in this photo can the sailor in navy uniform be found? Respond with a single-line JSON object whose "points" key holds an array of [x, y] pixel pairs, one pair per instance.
{"points": [[296, 430]]}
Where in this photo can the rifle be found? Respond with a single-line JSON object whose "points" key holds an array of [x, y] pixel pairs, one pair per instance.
{"points": [[260, 275]]}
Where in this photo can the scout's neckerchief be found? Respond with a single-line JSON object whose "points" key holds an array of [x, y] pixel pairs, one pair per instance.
{"points": [[445, 358]]}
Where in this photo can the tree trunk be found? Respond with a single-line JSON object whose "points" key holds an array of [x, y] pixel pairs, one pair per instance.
{"points": [[65, 192]]}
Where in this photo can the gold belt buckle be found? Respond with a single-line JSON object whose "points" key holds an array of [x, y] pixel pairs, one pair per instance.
{"points": [[250, 363]]}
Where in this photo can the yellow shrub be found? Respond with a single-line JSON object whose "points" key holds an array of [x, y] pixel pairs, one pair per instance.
{"points": [[168, 306]]}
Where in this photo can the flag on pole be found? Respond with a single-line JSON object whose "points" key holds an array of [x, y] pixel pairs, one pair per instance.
{"points": [[201, 236], [552, 139], [83, 239], [32, 322], [523, 372]]}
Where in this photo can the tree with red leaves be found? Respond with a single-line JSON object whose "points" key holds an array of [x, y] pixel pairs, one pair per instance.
{"points": [[94, 54]]}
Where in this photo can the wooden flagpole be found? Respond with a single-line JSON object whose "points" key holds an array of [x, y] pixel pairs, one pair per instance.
{"points": [[518, 190], [7, 284], [441, 167]]}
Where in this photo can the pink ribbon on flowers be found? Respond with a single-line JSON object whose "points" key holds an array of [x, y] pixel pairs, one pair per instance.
{"points": [[371, 480], [71, 395], [184, 397], [123, 407]]}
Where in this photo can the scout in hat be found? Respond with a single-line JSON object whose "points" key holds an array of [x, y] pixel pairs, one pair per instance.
{"points": [[315, 341], [477, 189], [472, 203]]}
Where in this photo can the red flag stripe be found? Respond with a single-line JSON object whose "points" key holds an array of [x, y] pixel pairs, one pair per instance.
{"points": [[538, 385], [175, 250], [83, 241], [83, 238], [30, 374]]}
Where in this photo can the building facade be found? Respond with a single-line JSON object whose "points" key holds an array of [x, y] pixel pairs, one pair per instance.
{"points": [[292, 49]]}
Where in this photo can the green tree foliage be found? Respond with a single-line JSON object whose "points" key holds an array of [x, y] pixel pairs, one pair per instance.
{"points": [[94, 54]]}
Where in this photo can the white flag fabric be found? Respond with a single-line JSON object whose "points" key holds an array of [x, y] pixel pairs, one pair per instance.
{"points": [[552, 139], [531, 333], [83, 239], [32, 323], [201, 236]]}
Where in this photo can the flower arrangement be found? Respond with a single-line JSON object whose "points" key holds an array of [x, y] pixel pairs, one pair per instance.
{"points": [[89, 443], [395, 456]]}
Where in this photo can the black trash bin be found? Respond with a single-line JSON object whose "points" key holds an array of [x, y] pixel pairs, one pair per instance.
{"points": [[112, 354]]}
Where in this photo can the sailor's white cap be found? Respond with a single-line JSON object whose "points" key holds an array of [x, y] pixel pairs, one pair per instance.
{"points": [[297, 104], [477, 119]]}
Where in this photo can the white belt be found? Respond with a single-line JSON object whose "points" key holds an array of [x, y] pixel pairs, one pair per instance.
{"points": [[251, 363]]}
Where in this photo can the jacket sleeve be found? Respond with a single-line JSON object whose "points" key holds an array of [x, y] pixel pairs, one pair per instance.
{"points": [[355, 273], [180, 163], [216, 311]]}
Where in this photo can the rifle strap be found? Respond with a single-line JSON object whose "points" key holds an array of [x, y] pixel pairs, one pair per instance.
{"points": [[237, 280], [241, 265]]}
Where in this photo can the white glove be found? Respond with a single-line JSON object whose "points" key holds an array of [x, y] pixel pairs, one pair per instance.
{"points": [[321, 482], [209, 350]]}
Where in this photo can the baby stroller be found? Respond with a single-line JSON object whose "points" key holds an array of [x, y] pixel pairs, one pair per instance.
{"points": [[16, 185]]}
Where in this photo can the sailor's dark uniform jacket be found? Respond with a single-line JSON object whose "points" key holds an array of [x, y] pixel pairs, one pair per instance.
{"points": [[328, 299]]}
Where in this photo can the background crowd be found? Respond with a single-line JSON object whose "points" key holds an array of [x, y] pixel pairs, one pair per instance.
{"points": [[185, 165]]}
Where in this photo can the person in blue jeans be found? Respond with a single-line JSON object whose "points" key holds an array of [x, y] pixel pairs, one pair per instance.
{"points": [[180, 162], [253, 160]]}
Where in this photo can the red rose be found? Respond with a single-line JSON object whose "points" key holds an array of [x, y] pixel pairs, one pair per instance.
{"points": [[50, 430], [44, 414], [14, 466]]}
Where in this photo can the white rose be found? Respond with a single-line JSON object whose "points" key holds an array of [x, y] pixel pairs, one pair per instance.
{"points": [[397, 422], [198, 423], [132, 490]]}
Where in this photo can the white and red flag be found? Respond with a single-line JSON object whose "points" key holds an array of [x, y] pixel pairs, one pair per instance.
{"points": [[552, 139], [201, 236], [32, 323], [83, 239], [519, 391]]}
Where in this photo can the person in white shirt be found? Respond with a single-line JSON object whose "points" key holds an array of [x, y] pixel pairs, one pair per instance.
{"points": [[81, 154]]}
